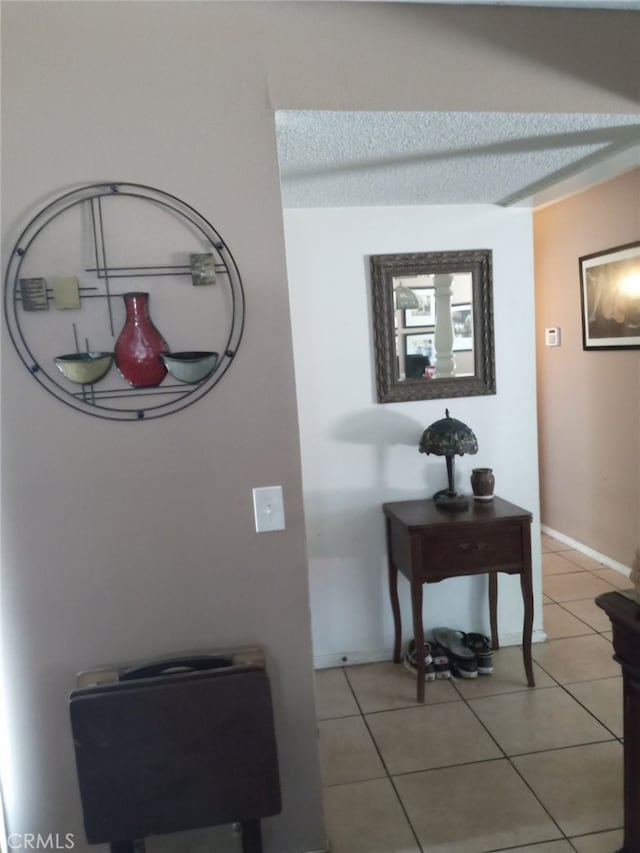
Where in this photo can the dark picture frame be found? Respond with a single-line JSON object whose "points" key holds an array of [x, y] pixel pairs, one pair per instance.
{"points": [[462, 318], [426, 314], [416, 342], [610, 298]]}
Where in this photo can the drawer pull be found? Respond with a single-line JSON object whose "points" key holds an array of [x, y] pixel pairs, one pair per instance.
{"points": [[468, 546]]}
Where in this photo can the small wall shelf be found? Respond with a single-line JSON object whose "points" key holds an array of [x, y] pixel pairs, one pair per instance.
{"points": [[79, 255]]}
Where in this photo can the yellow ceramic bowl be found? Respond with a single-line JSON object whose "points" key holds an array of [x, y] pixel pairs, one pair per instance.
{"points": [[85, 368]]}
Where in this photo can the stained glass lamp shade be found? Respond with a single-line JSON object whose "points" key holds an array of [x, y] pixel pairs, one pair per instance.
{"points": [[449, 438], [405, 298]]}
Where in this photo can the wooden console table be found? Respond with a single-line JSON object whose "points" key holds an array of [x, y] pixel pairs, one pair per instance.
{"points": [[427, 545], [625, 621]]}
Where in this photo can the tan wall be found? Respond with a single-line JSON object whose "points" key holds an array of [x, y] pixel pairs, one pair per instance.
{"points": [[588, 402], [124, 540]]}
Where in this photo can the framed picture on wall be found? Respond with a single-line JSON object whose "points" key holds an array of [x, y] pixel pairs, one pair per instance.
{"points": [[425, 315], [462, 319], [419, 344], [419, 354], [610, 298]]}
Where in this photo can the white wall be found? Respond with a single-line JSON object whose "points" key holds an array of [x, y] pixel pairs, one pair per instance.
{"points": [[356, 454]]}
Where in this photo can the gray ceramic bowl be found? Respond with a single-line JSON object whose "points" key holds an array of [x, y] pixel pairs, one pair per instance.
{"points": [[85, 368], [190, 367]]}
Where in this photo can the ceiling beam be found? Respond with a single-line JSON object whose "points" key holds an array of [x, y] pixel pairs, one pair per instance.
{"points": [[600, 166]]}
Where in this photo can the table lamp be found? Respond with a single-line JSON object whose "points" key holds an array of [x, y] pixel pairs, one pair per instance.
{"points": [[449, 438]]}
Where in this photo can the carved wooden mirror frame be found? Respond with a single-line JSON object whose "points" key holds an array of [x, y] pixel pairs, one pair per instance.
{"points": [[391, 388]]}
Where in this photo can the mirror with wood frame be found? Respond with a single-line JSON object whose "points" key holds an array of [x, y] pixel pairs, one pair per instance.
{"points": [[433, 325]]}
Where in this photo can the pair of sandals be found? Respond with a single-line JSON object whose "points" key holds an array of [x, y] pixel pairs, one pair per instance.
{"points": [[469, 654]]}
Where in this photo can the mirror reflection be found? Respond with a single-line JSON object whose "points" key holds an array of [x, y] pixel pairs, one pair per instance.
{"points": [[433, 325]]}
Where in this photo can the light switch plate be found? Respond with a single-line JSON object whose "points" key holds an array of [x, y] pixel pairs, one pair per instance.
{"points": [[268, 508]]}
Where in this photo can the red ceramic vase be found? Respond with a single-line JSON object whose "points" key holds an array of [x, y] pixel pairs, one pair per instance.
{"points": [[140, 344]]}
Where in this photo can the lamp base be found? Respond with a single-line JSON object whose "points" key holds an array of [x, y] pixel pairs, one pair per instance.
{"points": [[452, 502]]}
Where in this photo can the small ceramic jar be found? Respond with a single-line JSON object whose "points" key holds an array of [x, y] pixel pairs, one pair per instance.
{"points": [[482, 483]]}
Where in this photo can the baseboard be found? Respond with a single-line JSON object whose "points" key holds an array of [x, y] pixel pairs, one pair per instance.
{"points": [[537, 636], [352, 658], [584, 549], [378, 655]]}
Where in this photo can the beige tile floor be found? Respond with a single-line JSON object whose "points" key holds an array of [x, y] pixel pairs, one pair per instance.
{"points": [[485, 765]]}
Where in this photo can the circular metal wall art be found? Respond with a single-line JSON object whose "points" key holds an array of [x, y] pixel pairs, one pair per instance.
{"points": [[123, 301]]}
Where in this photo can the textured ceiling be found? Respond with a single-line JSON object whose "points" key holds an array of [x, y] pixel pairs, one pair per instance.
{"points": [[344, 159]]}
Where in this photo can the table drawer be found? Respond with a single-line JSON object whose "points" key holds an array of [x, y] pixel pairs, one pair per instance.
{"points": [[471, 550]]}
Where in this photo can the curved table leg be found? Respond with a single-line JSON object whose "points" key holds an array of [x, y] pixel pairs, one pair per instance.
{"points": [[251, 836], [527, 600], [493, 609], [418, 633], [393, 595]]}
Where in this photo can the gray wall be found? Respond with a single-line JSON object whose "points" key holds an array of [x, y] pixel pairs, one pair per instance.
{"points": [[124, 540]]}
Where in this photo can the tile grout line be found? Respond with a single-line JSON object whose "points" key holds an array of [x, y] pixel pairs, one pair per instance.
{"points": [[503, 755], [393, 785], [579, 618], [570, 746], [582, 705], [527, 845], [511, 764], [466, 701], [384, 764], [406, 814], [561, 604], [564, 686], [597, 632]]}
